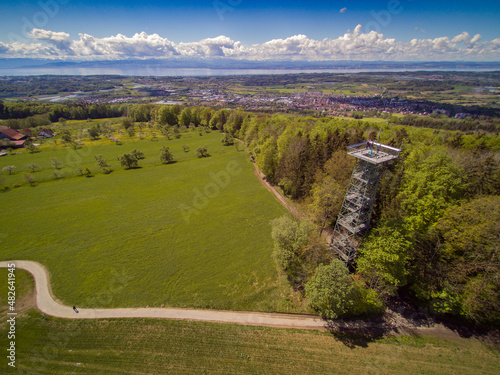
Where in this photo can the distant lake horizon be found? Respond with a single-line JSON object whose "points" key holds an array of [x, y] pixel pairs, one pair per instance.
{"points": [[206, 72]]}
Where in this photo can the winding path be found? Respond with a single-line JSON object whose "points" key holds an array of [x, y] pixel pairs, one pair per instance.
{"points": [[47, 305]]}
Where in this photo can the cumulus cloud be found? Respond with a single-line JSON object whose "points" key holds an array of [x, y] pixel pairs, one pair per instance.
{"points": [[3, 48], [57, 39], [355, 45], [466, 39], [115, 47], [48, 35], [208, 48]]}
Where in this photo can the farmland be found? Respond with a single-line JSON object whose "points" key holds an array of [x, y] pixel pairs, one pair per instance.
{"points": [[47, 345], [193, 233]]}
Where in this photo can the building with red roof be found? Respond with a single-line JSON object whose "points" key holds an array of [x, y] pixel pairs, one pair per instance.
{"points": [[16, 139]]}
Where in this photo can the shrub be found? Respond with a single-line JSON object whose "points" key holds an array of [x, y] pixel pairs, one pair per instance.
{"points": [[228, 140], [202, 152], [330, 290]]}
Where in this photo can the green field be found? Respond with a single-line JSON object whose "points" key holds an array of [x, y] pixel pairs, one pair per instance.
{"points": [[195, 233], [146, 346]]}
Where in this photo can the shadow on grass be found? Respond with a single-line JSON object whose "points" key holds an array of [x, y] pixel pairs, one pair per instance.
{"points": [[488, 335], [359, 333], [419, 317], [358, 337], [406, 319]]}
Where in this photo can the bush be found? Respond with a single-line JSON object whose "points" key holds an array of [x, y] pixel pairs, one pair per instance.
{"points": [[365, 301], [87, 172], [127, 123], [228, 140], [202, 152], [330, 290]]}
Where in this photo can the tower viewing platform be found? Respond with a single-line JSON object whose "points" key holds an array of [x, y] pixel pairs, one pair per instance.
{"points": [[355, 214], [373, 152]]}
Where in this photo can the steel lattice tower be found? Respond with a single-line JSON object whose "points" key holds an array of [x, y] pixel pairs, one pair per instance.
{"points": [[355, 214]]}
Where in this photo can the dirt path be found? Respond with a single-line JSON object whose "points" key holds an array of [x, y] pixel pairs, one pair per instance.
{"points": [[392, 322], [288, 205], [327, 232], [47, 305]]}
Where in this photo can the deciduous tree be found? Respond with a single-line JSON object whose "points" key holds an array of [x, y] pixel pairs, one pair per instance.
{"points": [[289, 237], [470, 252], [102, 164], [267, 160], [94, 131], [137, 154], [32, 166], [330, 290], [66, 136], [202, 152], [432, 184], [228, 140], [56, 163], [9, 169], [30, 179], [128, 161], [382, 259], [166, 156], [327, 198]]}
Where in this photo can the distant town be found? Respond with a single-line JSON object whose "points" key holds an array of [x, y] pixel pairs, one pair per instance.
{"points": [[457, 95]]}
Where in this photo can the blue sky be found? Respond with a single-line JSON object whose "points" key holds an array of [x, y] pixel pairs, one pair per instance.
{"points": [[248, 22]]}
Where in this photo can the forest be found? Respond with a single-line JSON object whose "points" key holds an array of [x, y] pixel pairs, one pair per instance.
{"points": [[435, 230]]}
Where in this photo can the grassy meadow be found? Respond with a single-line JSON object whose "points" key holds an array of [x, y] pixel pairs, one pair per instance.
{"points": [[147, 346], [195, 233]]}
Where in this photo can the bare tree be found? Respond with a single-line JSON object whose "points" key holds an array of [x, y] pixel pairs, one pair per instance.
{"points": [[30, 179], [9, 169], [56, 163], [33, 167]]}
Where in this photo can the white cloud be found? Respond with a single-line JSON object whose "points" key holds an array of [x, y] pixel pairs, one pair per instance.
{"points": [[48, 35], [119, 47], [57, 39], [465, 38], [3, 48], [476, 38], [208, 48], [356, 45]]}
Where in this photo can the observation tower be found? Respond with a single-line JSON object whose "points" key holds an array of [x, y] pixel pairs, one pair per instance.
{"points": [[355, 215]]}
